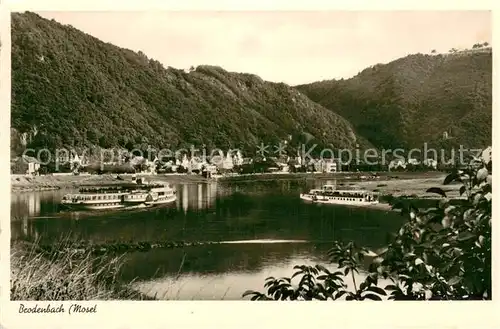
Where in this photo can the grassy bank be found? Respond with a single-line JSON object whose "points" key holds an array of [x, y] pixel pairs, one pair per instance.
{"points": [[415, 187], [40, 275], [339, 175]]}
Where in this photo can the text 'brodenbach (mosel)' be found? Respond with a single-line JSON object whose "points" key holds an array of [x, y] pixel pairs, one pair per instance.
{"points": [[73, 308]]}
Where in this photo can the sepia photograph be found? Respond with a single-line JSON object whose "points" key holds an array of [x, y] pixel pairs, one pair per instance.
{"points": [[335, 155]]}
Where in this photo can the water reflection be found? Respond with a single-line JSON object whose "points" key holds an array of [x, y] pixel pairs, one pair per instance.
{"points": [[219, 272], [196, 196], [271, 210], [23, 204], [264, 227]]}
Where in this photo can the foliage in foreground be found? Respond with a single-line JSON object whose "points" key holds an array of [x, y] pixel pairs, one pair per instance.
{"points": [[38, 275], [441, 253]]}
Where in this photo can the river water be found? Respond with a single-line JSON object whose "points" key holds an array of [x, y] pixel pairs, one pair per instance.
{"points": [[264, 227]]}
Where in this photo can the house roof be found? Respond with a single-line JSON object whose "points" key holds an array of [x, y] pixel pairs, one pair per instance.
{"points": [[29, 159]]}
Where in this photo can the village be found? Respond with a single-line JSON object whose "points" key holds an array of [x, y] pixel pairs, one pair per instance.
{"points": [[232, 163]]}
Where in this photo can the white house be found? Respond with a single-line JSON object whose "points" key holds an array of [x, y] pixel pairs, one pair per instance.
{"points": [[330, 166], [413, 162], [299, 160], [431, 163], [185, 162], [237, 159], [137, 160], [397, 163], [227, 162], [209, 170], [196, 163], [79, 161], [222, 162], [33, 165], [325, 165]]}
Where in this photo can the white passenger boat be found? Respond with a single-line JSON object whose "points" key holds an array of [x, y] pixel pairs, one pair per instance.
{"points": [[161, 194], [331, 195], [136, 195]]}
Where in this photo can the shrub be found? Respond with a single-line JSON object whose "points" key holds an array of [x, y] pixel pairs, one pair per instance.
{"points": [[64, 275], [440, 253]]}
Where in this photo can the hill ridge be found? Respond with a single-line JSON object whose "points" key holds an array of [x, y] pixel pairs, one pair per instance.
{"points": [[71, 89], [416, 99]]}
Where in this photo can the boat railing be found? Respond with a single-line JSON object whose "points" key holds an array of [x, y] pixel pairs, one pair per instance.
{"points": [[120, 188], [352, 194]]}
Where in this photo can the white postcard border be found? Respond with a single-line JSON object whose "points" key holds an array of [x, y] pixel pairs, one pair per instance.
{"points": [[240, 314]]}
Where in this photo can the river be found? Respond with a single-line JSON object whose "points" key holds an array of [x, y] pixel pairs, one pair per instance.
{"points": [[264, 228]]}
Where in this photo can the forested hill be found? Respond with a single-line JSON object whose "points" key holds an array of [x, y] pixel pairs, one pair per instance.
{"points": [[71, 89], [444, 100]]}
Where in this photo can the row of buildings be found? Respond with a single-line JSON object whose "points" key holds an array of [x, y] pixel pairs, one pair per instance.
{"points": [[231, 162]]}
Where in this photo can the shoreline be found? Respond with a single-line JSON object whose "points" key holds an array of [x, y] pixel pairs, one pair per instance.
{"points": [[21, 183], [404, 185]]}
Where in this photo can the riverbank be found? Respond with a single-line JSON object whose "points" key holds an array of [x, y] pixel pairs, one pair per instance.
{"points": [[412, 187], [20, 183], [37, 275], [368, 176]]}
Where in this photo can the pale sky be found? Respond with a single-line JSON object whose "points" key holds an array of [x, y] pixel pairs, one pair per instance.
{"points": [[291, 47]]}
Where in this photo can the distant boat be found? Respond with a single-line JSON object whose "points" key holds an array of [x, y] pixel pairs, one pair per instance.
{"points": [[331, 195], [135, 195]]}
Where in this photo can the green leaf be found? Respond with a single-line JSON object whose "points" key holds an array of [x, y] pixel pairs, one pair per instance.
{"points": [[372, 297], [463, 236], [436, 190], [482, 174], [453, 281], [377, 290], [340, 294], [451, 178], [250, 292], [446, 222], [462, 189], [443, 203], [322, 268]]}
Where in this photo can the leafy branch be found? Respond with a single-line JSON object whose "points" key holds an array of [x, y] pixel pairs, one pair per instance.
{"points": [[440, 253]]}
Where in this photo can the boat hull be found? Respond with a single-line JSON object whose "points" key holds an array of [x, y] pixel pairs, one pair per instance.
{"points": [[87, 206], [80, 207], [122, 197], [337, 200], [161, 201]]}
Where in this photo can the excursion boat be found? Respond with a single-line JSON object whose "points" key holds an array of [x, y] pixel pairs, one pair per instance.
{"points": [[160, 195], [331, 195], [136, 195]]}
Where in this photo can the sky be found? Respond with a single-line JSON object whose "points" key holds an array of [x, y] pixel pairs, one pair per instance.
{"points": [[293, 47]]}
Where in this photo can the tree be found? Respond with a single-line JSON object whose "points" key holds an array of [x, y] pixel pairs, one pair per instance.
{"points": [[441, 253]]}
